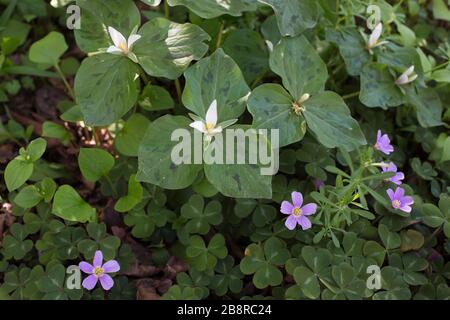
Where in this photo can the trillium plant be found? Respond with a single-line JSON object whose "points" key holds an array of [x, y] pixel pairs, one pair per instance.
{"points": [[224, 150]]}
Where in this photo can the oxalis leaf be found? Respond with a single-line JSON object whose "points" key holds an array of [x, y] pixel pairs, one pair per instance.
{"points": [[167, 48], [98, 15], [106, 88], [294, 16], [68, 205], [216, 77], [213, 8]]}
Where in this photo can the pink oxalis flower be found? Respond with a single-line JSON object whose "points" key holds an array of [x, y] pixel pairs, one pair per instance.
{"points": [[399, 200], [399, 176], [383, 143], [297, 213], [99, 271]]}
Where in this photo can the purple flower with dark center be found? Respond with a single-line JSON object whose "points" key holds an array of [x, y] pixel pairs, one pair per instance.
{"points": [[99, 271], [399, 200], [383, 143], [297, 213], [399, 176]]}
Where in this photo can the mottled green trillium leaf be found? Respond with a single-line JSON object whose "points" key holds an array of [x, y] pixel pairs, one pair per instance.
{"points": [[294, 16], [209, 9], [249, 51], [216, 77], [262, 262], [428, 106], [68, 205], [378, 88], [130, 136], [329, 118], [300, 67], [269, 29], [351, 47], [239, 180], [400, 57], [155, 98], [98, 15], [106, 88], [167, 48], [155, 164], [95, 163]]}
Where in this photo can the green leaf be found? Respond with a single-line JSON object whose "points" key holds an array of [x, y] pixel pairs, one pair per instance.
{"points": [[351, 47], [98, 15], [378, 88], [14, 244], [36, 149], [375, 251], [155, 98], [209, 9], [440, 10], [17, 172], [307, 281], [249, 50], [271, 108], [28, 197], [294, 16], [201, 217], [300, 67], [329, 118], [216, 77], [153, 3], [155, 164], [95, 163], [167, 48], [132, 199], [56, 131], [68, 205], [391, 240], [428, 106], [106, 88], [130, 136], [49, 49]]}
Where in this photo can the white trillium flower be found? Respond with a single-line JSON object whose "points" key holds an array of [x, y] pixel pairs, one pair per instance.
{"points": [[209, 126], [375, 36], [406, 77], [121, 45]]}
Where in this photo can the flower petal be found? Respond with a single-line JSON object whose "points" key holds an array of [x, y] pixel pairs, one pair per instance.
{"points": [[409, 71], [378, 134], [98, 259], [114, 50], [304, 222], [111, 266], [375, 35], [291, 222], [309, 209], [391, 194], [408, 200], [132, 39], [198, 125], [86, 267], [406, 209], [106, 281], [211, 114], [116, 37], [399, 193], [286, 207], [297, 199], [90, 282]]}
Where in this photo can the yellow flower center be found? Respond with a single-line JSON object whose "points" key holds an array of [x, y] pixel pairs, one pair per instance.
{"points": [[99, 271], [297, 212], [209, 126], [396, 204], [124, 47]]}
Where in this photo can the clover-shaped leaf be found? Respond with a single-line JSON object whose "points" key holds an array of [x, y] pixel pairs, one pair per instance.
{"points": [[100, 240], [227, 277], [15, 245], [144, 221], [54, 286], [262, 262], [202, 257], [22, 283], [434, 216], [201, 217]]}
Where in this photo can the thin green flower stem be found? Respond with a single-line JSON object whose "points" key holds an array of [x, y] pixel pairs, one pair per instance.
{"points": [[350, 95], [178, 88], [219, 35], [63, 78], [166, 9]]}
